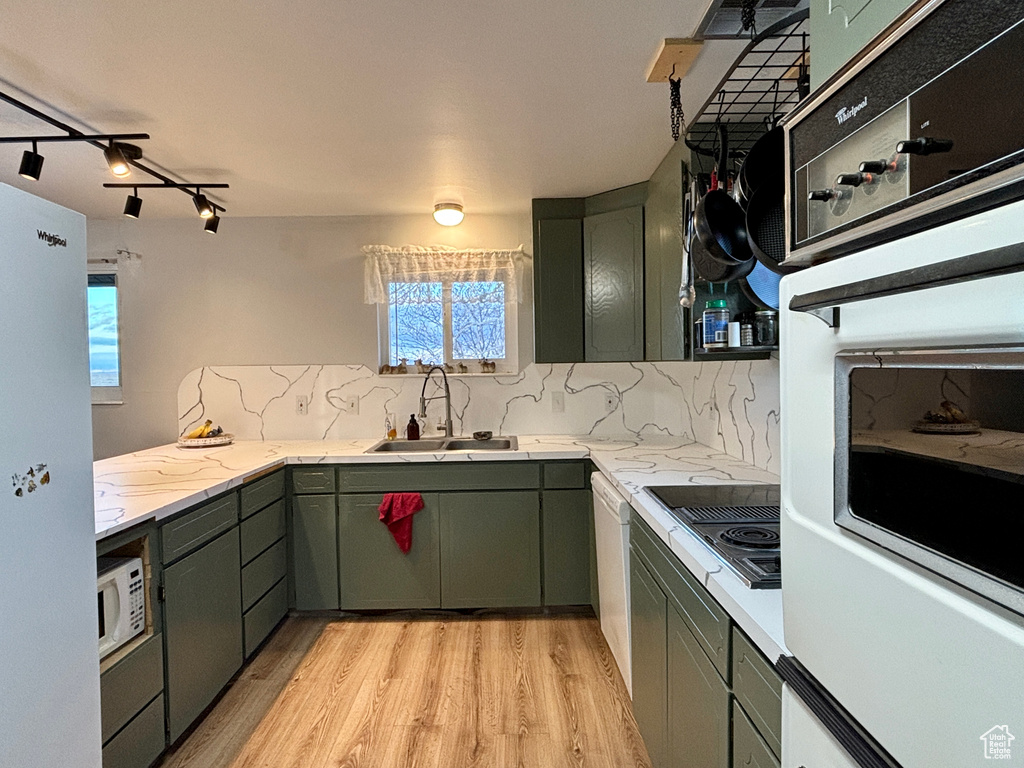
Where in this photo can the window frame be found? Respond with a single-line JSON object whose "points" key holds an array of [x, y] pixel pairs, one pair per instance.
{"points": [[109, 395], [507, 364]]}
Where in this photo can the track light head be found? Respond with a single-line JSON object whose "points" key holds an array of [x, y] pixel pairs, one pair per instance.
{"points": [[211, 224], [31, 164], [117, 155], [203, 206], [133, 205]]}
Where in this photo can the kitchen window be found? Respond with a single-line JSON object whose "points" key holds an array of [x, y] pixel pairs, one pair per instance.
{"points": [[445, 306], [104, 335]]}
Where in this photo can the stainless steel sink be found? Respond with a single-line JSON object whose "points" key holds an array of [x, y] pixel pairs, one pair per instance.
{"points": [[432, 445], [492, 444]]}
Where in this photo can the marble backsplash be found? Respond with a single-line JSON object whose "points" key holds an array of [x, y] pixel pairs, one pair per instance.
{"points": [[729, 406]]}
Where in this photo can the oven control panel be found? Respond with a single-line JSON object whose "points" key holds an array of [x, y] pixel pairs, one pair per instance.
{"points": [[929, 130]]}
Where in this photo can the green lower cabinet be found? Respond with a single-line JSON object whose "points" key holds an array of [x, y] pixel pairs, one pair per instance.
{"points": [[698, 702], [749, 749], [648, 612], [140, 742], [202, 628], [490, 549], [315, 552], [374, 573], [567, 524]]}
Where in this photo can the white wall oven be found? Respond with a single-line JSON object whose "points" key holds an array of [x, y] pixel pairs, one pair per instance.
{"points": [[903, 399]]}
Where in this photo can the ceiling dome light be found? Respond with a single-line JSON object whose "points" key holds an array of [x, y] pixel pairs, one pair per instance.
{"points": [[116, 161], [448, 214], [133, 205], [211, 224], [31, 164], [203, 206]]}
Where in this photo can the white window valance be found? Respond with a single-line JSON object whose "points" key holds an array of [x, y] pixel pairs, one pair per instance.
{"points": [[431, 264]]}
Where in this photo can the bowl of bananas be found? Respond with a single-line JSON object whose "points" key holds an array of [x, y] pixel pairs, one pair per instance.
{"points": [[205, 436]]}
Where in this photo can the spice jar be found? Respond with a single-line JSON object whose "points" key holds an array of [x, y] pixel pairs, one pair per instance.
{"points": [[766, 328]]}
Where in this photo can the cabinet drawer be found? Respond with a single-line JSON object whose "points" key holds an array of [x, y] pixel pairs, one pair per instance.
{"points": [[313, 480], [440, 477], [758, 688], [193, 529], [262, 529], [264, 491], [708, 621], [130, 684], [748, 748], [142, 740], [259, 575], [264, 616], [572, 475]]}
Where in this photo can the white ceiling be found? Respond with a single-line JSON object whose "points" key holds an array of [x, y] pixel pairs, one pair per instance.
{"points": [[339, 107]]}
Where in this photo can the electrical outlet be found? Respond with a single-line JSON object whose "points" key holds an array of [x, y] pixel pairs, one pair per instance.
{"points": [[558, 402], [610, 403], [301, 405], [352, 405]]}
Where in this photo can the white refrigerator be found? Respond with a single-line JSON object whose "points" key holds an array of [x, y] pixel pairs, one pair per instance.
{"points": [[49, 662]]}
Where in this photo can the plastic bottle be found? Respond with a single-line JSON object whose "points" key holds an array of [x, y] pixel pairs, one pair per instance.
{"points": [[716, 324], [412, 431]]}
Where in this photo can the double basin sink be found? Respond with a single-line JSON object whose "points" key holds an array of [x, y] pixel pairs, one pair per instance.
{"points": [[443, 444]]}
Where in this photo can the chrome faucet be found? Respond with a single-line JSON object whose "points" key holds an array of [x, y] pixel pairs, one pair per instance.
{"points": [[447, 400]]}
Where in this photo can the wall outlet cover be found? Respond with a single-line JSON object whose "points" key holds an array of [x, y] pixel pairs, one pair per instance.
{"points": [[301, 405]]}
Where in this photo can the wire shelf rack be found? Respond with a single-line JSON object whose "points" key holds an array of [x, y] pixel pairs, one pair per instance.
{"points": [[767, 80]]}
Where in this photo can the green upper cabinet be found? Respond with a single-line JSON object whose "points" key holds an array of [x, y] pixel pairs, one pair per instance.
{"points": [[558, 280], [841, 28], [613, 280]]}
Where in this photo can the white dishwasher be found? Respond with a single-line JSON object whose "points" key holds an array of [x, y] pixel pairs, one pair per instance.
{"points": [[611, 533]]}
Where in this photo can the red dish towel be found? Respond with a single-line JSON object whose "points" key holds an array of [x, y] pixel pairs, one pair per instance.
{"points": [[396, 512]]}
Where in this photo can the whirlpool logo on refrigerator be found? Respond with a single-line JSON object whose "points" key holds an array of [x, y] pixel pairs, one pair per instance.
{"points": [[52, 240]]}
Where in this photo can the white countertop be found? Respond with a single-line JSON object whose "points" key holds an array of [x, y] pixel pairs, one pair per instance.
{"points": [[159, 482]]}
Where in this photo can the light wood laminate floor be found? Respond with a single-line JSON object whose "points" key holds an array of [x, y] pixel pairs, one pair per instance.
{"points": [[411, 690]]}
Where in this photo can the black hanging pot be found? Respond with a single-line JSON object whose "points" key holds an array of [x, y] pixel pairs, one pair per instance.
{"points": [[720, 226], [714, 270], [766, 227], [765, 163]]}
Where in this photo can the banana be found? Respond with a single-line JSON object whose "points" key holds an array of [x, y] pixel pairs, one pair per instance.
{"points": [[199, 431]]}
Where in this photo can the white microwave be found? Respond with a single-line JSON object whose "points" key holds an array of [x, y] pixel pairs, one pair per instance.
{"points": [[121, 596]]}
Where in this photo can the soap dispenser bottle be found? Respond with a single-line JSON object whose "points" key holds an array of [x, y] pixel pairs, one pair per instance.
{"points": [[412, 431]]}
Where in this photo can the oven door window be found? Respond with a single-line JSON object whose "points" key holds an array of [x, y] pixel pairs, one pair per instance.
{"points": [[930, 462]]}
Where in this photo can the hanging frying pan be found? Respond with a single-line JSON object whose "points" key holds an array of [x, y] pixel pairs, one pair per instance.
{"points": [[761, 286], [714, 270], [720, 226], [766, 227], [765, 163]]}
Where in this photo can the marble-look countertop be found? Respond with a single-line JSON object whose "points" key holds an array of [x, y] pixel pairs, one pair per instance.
{"points": [[157, 483]]}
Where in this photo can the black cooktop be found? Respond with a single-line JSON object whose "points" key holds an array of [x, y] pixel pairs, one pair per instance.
{"points": [[738, 523]]}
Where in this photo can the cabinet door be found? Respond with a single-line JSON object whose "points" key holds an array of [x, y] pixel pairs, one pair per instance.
{"points": [[490, 549], [648, 610], [373, 571], [749, 749], [613, 285], [698, 702], [567, 526], [558, 288], [202, 627], [315, 552]]}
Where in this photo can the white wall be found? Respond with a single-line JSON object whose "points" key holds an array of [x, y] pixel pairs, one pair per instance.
{"points": [[268, 291]]}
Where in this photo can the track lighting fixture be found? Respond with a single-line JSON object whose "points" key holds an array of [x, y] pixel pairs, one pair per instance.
{"points": [[31, 164], [448, 214], [116, 161], [202, 205], [133, 205], [211, 224]]}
